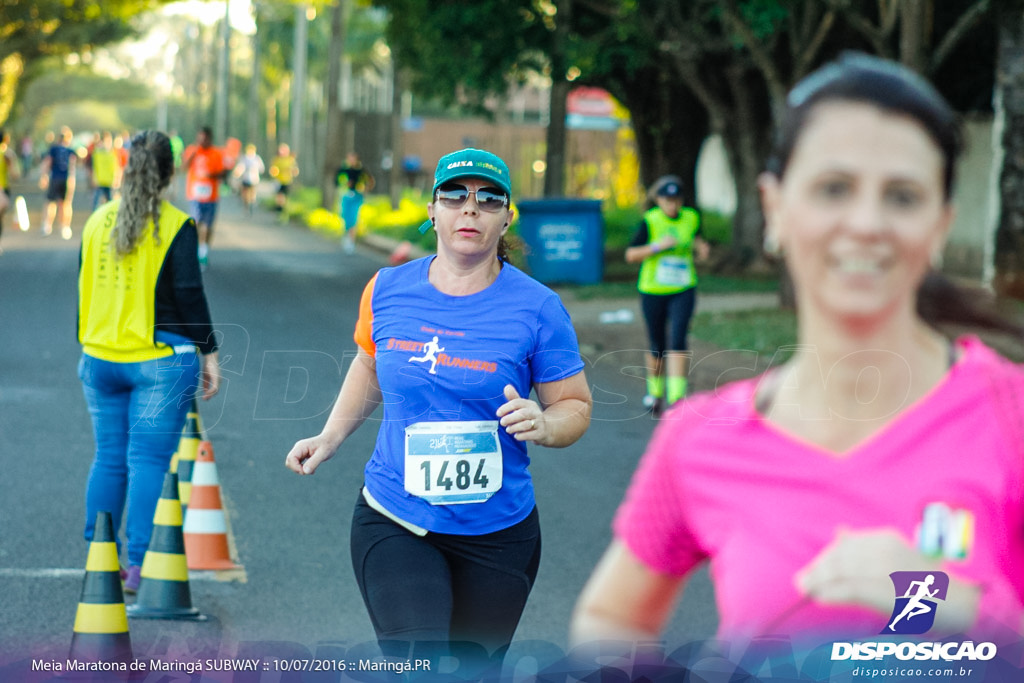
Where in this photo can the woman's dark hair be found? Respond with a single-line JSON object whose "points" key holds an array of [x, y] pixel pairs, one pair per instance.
{"points": [[894, 88], [147, 174]]}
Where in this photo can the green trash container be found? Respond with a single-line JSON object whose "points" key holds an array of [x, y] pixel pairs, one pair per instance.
{"points": [[564, 239]]}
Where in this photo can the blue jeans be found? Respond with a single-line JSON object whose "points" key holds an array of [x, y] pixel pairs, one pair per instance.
{"points": [[102, 195], [138, 411]]}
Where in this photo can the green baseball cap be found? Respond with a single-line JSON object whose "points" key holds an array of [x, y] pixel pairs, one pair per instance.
{"points": [[470, 163]]}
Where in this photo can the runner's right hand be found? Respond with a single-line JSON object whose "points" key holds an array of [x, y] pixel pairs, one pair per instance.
{"points": [[307, 454]]}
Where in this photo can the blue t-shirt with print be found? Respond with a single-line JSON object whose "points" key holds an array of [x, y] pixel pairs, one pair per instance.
{"points": [[444, 358]]}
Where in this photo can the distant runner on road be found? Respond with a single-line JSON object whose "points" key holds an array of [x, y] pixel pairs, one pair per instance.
{"points": [[205, 168]]}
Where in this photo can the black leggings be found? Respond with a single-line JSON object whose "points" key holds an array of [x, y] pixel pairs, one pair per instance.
{"points": [[658, 309], [443, 587]]}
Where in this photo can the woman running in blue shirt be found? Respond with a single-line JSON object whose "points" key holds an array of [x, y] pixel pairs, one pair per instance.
{"points": [[445, 536]]}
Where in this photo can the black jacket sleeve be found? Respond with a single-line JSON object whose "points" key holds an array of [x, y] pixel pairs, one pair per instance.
{"points": [[181, 305]]}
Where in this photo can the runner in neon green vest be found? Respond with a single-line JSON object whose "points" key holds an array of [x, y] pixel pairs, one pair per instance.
{"points": [[664, 245]]}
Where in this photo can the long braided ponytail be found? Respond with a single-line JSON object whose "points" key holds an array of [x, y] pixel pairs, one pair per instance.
{"points": [[147, 175]]}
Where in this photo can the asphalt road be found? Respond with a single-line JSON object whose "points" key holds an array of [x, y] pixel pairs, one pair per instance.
{"points": [[285, 301]]}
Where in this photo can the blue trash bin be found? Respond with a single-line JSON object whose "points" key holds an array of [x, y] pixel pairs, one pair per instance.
{"points": [[564, 239]]}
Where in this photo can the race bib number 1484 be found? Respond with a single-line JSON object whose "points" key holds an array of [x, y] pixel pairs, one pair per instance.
{"points": [[453, 462]]}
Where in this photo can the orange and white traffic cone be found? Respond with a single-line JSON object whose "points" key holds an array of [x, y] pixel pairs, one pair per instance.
{"points": [[205, 530]]}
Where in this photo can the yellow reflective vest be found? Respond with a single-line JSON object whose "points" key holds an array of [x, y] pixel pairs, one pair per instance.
{"points": [[117, 294], [670, 271]]}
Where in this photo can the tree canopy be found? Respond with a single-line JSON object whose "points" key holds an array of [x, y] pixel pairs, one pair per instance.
{"points": [[34, 29], [684, 69], [465, 53]]}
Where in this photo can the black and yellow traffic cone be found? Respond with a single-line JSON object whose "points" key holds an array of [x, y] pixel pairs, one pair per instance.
{"points": [[101, 625], [190, 429], [163, 587], [184, 459]]}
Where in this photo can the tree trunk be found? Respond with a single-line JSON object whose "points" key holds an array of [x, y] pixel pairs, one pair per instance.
{"points": [[669, 124], [748, 222], [334, 139], [397, 149], [296, 112], [914, 31], [746, 136], [220, 117], [201, 52], [252, 121], [1009, 252], [554, 176]]}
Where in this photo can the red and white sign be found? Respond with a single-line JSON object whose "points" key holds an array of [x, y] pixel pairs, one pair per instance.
{"points": [[586, 101]]}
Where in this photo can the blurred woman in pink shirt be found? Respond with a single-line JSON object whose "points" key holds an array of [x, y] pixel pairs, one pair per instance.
{"points": [[881, 446]]}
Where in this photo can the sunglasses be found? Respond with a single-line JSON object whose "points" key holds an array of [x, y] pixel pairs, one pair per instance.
{"points": [[488, 199]]}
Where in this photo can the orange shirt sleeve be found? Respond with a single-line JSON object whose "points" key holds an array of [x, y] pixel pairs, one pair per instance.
{"points": [[364, 326]]}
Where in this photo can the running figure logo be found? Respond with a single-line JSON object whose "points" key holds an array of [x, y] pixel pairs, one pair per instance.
{"points": [[916, 595], [430, 351]]}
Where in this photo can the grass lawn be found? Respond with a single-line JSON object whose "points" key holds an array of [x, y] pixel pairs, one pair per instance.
{"points": [[708, 284], [771, 333], [766, 331]]}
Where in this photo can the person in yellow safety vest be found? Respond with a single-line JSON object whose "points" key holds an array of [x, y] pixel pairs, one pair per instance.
{"points": [[284, 168], [8, 172], [147, 342], [104, 167], [664, 245]]}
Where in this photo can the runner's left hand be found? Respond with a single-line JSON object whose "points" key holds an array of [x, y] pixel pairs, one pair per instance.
{"points": [[521, 417], [854, 568]]}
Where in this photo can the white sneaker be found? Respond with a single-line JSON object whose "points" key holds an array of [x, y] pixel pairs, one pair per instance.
{"points": [[653, 403], [47, 229], [65, 232]]}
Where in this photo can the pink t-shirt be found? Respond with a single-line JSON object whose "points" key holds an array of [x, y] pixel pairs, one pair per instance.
{"points": [[720, 483]]}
